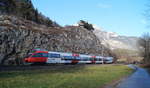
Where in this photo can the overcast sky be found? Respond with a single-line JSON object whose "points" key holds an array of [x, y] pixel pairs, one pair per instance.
{"points": [[124, 17]]}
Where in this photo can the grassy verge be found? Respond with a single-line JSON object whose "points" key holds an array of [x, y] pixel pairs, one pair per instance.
{"points": [[94, 76]]}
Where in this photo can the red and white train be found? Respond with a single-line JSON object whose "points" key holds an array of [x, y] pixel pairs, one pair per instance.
{"points": [[41, 56]]}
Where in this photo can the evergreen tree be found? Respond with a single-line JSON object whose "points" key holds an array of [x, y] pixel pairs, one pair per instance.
{"points": [[36, 16], [86, 25], [24, 9]]}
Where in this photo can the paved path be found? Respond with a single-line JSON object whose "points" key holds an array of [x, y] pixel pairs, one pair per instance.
{"points": [[139, 79]]}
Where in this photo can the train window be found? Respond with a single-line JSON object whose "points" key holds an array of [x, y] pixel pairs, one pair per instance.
{"points": [[37, 55], [106, 60], [51, 55], [68, 57], [40, 55], [91, 58], [78, 58], [45, 54], [84, 59], [99, 59]]}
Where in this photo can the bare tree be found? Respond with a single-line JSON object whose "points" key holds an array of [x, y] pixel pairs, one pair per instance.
{"points": [[144, 42]]}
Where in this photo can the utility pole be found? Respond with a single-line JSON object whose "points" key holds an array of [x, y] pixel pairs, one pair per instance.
{"points": [[102, 53]]}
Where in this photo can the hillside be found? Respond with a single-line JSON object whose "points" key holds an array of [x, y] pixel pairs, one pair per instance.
{"points": [[115, 41], [26, 10], [19, 36]]}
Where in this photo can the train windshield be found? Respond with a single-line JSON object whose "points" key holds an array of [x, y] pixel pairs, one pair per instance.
{"points": [[28, 55], [40, 55]]}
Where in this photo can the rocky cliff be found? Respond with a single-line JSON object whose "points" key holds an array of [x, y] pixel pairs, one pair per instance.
{"points": [[18, 37]]}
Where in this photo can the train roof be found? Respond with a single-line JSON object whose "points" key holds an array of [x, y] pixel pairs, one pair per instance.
{"points": [[73, 54], [84, 55], [41, 52], [54, 52], [109, 58], [99, 57]]}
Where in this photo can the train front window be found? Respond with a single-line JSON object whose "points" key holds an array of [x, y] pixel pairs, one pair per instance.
{"points": [[92, 58], [99, 59], [28, 55], [40, 55], [37, 55]]}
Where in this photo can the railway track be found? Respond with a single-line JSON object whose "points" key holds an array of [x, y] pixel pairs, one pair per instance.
{"points": [[41, 67]]}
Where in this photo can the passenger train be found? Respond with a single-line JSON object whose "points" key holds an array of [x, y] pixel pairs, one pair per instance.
{"points": [[50, 57]]}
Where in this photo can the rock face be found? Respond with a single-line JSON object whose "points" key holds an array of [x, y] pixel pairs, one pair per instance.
{"points": [[115, 41], [18, 37]]}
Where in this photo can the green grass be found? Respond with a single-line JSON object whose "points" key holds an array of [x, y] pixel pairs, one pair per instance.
{"points": [[94, 76]]}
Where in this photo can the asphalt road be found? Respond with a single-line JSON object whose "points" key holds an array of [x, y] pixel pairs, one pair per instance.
{"points": [[139, 79]]}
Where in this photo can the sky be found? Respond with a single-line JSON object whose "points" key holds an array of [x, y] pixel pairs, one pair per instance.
{"points": [[124, 17]]}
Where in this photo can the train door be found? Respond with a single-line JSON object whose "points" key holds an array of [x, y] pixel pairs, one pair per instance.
{"points": [[75, 59], [93, 59]]}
